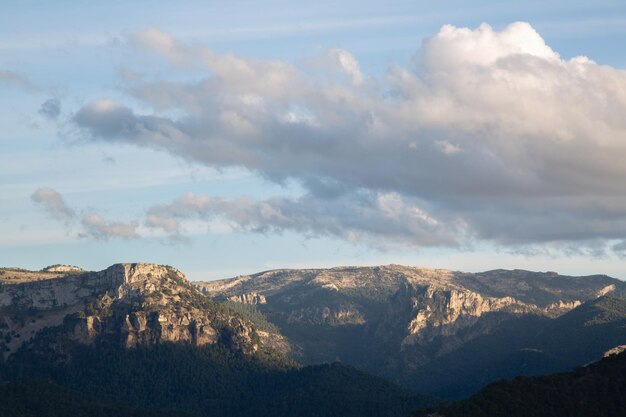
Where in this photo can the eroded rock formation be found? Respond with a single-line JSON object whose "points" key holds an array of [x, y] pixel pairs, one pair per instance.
{"points": [[131, 304]]}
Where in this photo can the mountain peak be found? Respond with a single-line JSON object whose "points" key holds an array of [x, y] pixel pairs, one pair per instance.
{"points": [[132, 304], [143, 271]]}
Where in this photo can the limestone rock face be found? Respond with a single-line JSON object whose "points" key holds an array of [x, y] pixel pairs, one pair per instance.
{"points": [[606, 290], [439, 311], [615, 351], [249, 298], [55, 292], [154, 304], [62, 268], [130, 304], [87, 330], [560, 307]]}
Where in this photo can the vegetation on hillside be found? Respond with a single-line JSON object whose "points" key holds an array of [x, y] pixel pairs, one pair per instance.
{"points": [[213, 381], [35, 398], [251, 313]]}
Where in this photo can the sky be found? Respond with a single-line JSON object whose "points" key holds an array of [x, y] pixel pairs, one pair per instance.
{"points": [[227, 138]]}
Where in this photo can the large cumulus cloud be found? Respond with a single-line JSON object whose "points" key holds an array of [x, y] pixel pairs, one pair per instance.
{"points": [[492, 133]]}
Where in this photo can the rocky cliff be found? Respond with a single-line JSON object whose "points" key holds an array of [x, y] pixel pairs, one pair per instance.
{"points": [[439, 311], [129, 304], [249, 298]]}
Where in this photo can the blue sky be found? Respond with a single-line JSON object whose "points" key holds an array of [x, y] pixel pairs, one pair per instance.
{"points": [[231, 138]]}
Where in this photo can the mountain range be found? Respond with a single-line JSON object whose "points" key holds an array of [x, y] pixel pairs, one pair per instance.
{"points": [[439, 332], [140, 339]]}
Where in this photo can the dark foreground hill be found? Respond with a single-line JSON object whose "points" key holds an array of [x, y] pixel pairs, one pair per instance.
{"points": [[597, 390], [32, 398], [210, 381]]}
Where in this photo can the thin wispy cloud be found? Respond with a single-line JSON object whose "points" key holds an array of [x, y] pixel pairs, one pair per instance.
{"points": [[97, 227], [16, 79], [93, 224], [377, 219], [584, 27], [54, 203], [50, 109]]}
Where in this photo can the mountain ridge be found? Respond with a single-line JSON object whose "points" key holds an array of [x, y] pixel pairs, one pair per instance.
{"points": [[393, 320]]}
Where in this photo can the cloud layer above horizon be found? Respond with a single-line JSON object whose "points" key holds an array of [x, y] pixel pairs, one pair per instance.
{"points": [[486, 137]]}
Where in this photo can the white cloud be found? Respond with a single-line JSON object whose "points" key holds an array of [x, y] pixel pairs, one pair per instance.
{"points": [[97, 227], [453, 48], [447, 147], [346, 63], [54, 203], [493, 129]]}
